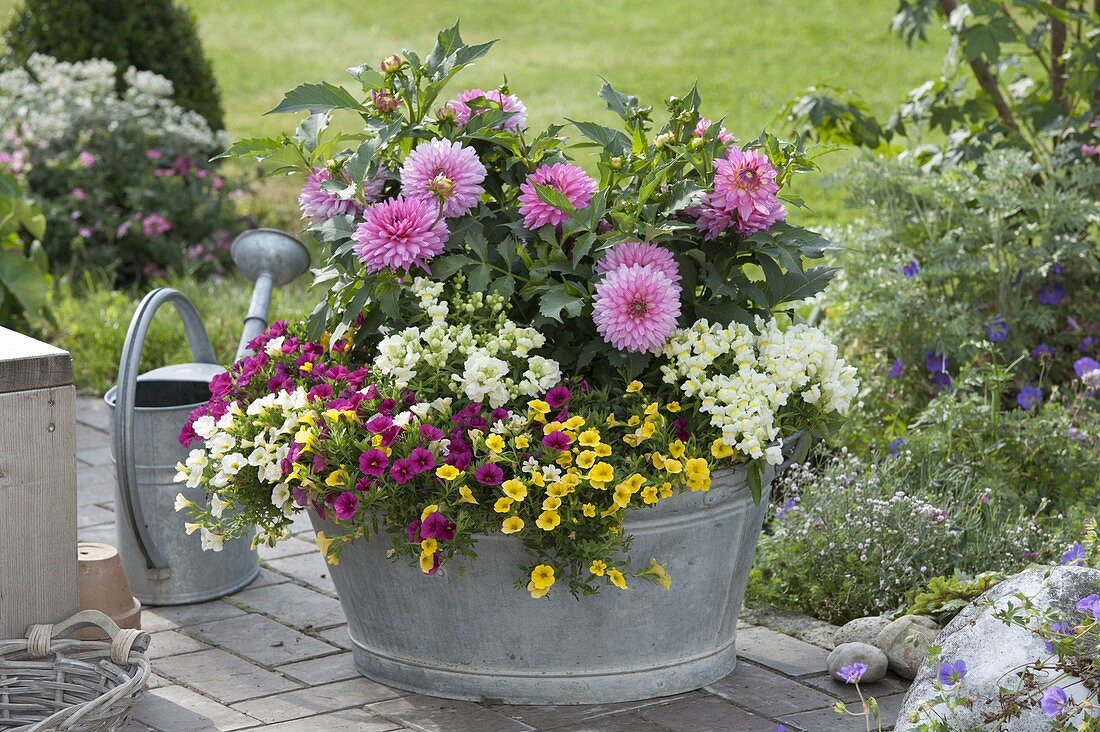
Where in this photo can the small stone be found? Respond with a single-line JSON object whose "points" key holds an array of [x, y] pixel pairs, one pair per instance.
{"points": [[905, 657], [847, 654], [861, 630]]}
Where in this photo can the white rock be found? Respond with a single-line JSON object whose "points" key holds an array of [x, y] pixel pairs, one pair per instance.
{"points": [[906, 657], [861, 630], [847, 654], [991, 649]]}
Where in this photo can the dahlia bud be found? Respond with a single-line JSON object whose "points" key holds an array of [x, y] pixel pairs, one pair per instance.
{"points": [[687, 116], [616, 163], [445, 114], [442, 186], [390, 64], [662, 140], [696, 142], [384, 101]]}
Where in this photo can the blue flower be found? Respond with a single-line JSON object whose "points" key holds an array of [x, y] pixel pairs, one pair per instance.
{"points": [[1052, 294], [942, 381], [895, 370], [1058, 630], [1090, 604], [853, 673], [997, 330], [1054, 701], [894, 448], [911, 269], [952, 673], [1041, 350], [1030, 397], [935, 362], [1074, 556], [1086, 345]]}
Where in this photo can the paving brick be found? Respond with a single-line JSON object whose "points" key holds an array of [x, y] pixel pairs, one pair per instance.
{"points": [[89, 437], [351, 720], [286, 548], [761, 690], [267, 577], [133, 726], [92, 514], [322, 670], [168, 617], [260, 639], [891, 684], [617, 723], [310, 568], [294, 605], [172, 643], [98, 456], [317, 700], [552, 717], [428, 714], [223, 676], [94, 484], [827, 720], [100, 534], [698, 712], [176, 709], [781, 652], [94, 412], [337, 636]]}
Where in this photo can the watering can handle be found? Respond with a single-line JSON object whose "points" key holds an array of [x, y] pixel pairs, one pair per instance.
{"points": [[202, 352]]}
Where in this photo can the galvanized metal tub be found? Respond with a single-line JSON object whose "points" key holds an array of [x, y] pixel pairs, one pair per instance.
{"points": [[468, 633]]}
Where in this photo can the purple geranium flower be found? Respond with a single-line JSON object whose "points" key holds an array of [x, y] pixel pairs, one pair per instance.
{"points": [[1074, 556], [489, 474], [1058, 630], [1090, 604], [853, 673], [997, 330], [1030, 397], [438, 526], [1042, 350], [935, 362], [1085, 365], [1054, 701], [894, 448], [1051, 294], [911, 269], [347, 503], [952, 673], [895, 370]]}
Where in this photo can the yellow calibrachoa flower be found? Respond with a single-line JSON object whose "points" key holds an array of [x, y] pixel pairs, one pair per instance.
{"points": [[548, 520], [610, 511], [589, 438], [429, 546], [634, 421], [697, 471], [649, 495], [324, 543], [554, 427], [634, 482], [565, 459], [601, 474], [551, 503], [467, 494], [511, 525], [651, 409], [720, 449], [542, 579], [503, 505], [672, 467], [558, 489], [659, 574], [574, 423], [588, 509], [611, 421], [598, 567], [447, 472], [306, 367], [603, 450], [337, 478], [521, 442], [495, 443], [514, 489], [307, 438], [676, 449], [666, 490], [634, 387], [539, 409], [537, 479], [617, 578], [571, 480], [429, 510], [427, 561], [622, 495], [673, 407], [658, 460], [586, 459]]}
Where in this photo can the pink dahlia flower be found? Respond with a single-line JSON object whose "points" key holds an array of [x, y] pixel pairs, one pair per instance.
{"points": [[724, 135], [636, 307], [441, 170], [570, 180], [319, 205], [745, 180], [710, 219], [760, 220], [509, 103], [629, 253], [399, 233]]}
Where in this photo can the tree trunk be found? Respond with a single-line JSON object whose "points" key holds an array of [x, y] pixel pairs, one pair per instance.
{"points": [[985, 77], [1057, 48]]}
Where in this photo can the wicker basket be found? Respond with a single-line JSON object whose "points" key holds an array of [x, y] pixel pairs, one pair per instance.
{"points": [[49, 681]]}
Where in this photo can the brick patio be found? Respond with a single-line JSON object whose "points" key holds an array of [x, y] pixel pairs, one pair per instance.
{"points": [[276, 656]]}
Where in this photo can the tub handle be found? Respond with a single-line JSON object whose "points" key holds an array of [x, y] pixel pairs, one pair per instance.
{"points": [[201, 352]]}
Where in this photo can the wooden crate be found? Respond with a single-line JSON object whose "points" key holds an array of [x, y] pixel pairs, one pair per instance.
{"points": [[38, 564]]}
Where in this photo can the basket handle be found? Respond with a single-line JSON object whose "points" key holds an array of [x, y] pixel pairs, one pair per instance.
{"points": [[123, 640]]}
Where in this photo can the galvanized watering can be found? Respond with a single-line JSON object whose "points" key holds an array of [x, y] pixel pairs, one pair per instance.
{"points": [[163, 564]]}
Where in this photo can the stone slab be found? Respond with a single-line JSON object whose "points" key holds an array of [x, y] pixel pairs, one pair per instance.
{"points": [[781, 652], [761, 690], [292, 604], [260, 640], [428, 714], [176, 709], [702, 712], [223, 676], [317, 700]]}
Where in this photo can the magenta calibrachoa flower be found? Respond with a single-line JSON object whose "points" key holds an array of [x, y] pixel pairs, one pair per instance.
{"points": [[508, 102], [319, 205], [444, 171], [398, 234], [635, 308], [568, 179], [629, 253]]}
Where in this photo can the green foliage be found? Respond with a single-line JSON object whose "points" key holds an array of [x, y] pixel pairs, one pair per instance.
{"points": [[151, 35], [854, 537], [943, 597], [1017, 74], [993, 245], [24, 272]]}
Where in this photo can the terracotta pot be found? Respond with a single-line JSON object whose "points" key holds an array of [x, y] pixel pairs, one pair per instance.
{"points": [[103, 587]]}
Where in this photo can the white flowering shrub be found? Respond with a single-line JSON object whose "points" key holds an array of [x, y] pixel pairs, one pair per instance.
{"points": [[122, 176]]}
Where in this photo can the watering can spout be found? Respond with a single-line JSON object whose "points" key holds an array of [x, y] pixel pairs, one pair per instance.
{"points": [[270, 258]]}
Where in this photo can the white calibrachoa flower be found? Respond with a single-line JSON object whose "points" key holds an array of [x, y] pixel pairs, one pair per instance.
{"points": [[484, 378], [742, 379]]}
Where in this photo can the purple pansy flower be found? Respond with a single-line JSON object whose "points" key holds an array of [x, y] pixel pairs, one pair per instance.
{"points": [[1054, 701], [952, 673], [1030, 397], [1074, 556]]}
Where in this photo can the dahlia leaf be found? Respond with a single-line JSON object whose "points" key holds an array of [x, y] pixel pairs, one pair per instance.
{"points": [[314, 98], [621, 104], [614, 141], [254, 147]]}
